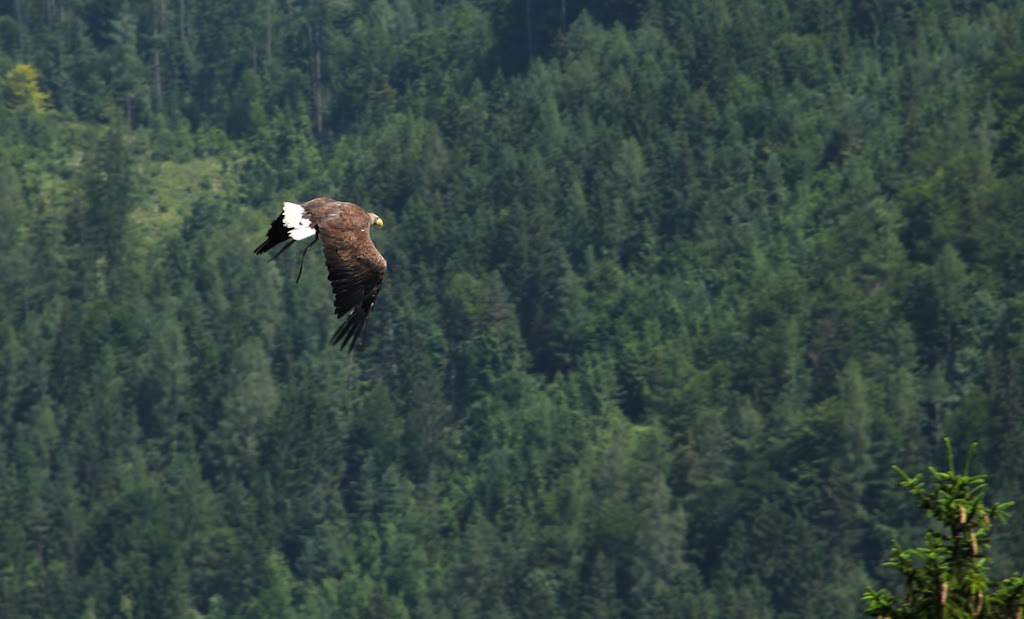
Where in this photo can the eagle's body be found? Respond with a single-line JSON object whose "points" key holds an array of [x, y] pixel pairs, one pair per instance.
{"points": [[354, 266]]}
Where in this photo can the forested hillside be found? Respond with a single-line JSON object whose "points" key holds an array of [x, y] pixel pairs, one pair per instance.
{"points": [[672, 285]]}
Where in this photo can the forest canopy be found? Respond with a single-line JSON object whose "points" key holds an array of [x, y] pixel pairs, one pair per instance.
{"points": [[672, 285]]}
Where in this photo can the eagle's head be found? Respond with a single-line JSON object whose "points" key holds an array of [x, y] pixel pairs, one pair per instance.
{"points": [[375, 221]]}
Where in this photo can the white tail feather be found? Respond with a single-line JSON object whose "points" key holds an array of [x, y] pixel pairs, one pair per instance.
{"points": [[299, 227]]}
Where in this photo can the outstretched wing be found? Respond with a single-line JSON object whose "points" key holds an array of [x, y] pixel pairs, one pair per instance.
{"points": [[354, 266]]}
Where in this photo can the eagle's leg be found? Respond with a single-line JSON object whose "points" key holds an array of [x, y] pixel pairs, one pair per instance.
{"points": [[281, 251], [303, 259]]}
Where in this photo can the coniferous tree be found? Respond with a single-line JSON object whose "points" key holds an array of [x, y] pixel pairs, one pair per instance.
{"points": [[949, 576]]}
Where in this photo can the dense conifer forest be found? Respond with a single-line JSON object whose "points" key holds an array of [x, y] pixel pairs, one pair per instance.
{"points": [[672, 286]]}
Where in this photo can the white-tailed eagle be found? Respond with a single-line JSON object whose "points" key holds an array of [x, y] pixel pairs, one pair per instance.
{"points": [[354, 266]]}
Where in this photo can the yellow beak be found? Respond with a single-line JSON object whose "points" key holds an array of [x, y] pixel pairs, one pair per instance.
{"points": [[379, 222]]}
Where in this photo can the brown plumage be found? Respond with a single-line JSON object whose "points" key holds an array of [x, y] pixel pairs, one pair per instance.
{"points": [[354, 266]]}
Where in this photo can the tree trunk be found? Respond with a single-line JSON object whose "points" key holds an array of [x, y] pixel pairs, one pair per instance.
{"points": [[529, 32], [314, 41], [183, 20], [158, 86], [158, 28], [270, 39], [21, 28], [317, 104]]}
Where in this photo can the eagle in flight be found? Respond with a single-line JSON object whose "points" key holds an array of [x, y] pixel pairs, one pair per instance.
{"points": [[354, 266]]}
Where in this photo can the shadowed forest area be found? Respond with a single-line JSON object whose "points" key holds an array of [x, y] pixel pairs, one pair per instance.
{"points": [[672, 286]]}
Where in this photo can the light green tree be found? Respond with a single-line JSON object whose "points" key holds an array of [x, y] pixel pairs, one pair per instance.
{"points": [[21, 84], [949, 576]]}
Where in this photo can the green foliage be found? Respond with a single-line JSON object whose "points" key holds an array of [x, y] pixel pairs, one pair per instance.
{"points": [[670, 284], [949, 576], [22, 89]]}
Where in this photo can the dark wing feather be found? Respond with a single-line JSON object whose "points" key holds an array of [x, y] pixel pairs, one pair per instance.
{"points": [[277, 234], [354, 266]]}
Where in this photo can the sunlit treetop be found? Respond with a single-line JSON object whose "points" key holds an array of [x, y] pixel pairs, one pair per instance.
{"points": [[21, 89]]}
